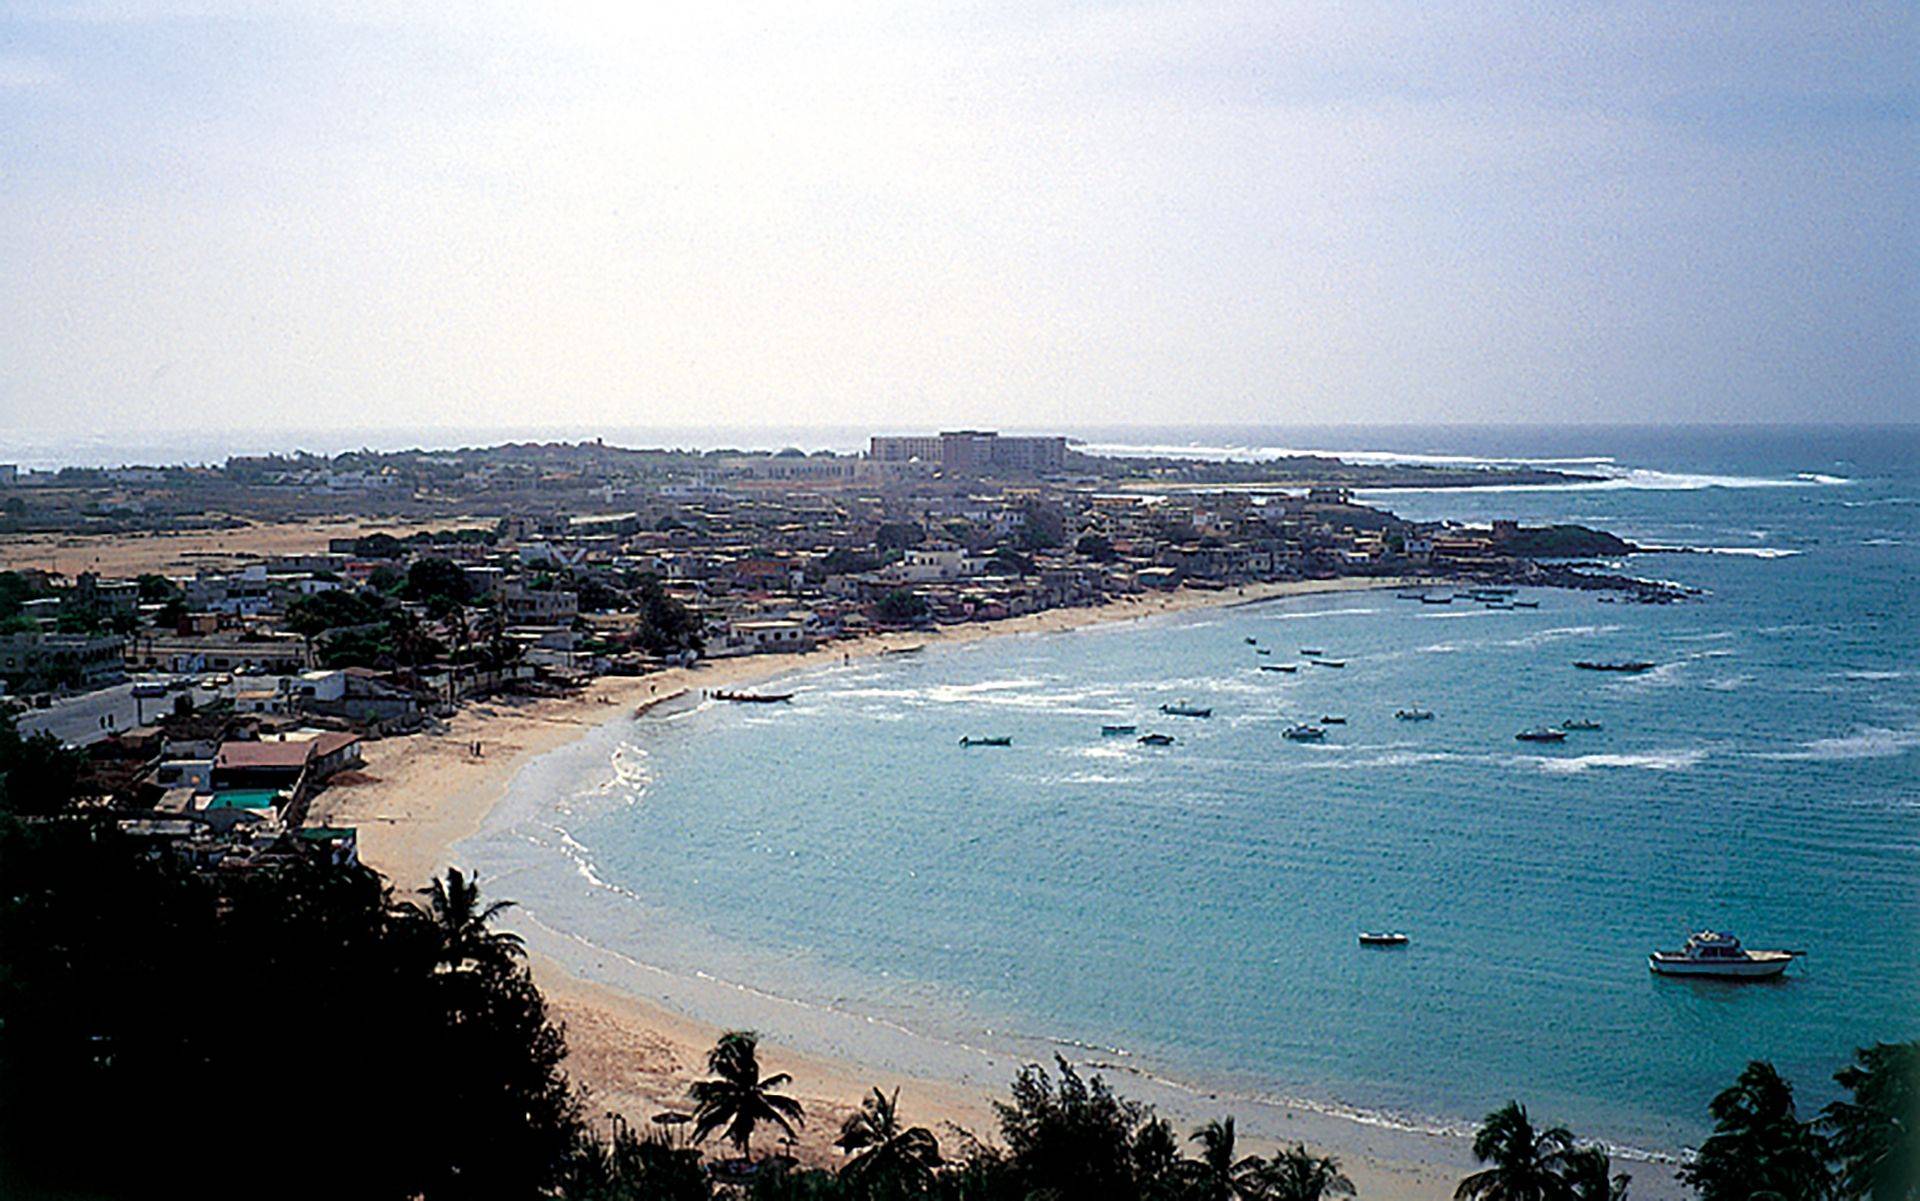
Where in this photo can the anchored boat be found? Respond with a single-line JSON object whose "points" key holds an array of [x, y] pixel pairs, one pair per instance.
{"points": [[1414, 714], [1304, 733], [1001, 740], [1580, 723], [1711, 953], [1118, 729], [1183, 709], [1627, 665], [1156, 740], [1289, 668], [753, 698], [1542, 734], [1382, 938]]}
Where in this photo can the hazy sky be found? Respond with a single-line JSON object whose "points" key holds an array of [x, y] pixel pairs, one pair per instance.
{"points": [[309, 213]]}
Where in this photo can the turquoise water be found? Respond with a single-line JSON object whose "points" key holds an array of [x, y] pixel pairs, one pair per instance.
{"points": [[1190, 911]]}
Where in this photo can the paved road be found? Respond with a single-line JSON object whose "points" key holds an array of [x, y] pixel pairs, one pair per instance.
{"points": [[78, 719]]}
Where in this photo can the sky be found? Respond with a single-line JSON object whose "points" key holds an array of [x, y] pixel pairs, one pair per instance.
{"points": [[310, 213]]}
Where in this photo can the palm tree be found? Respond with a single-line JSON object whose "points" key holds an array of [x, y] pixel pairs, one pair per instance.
{"points": [[1528, 1164], [1297, 1174], [886, 1159], [1876, 1135], [461, 925], [737, 1097], [1590, 1176], [1759, 1144], [1217, 1175]]}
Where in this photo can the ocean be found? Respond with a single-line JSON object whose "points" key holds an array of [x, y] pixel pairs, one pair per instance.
{"points": [[1188, 913]]}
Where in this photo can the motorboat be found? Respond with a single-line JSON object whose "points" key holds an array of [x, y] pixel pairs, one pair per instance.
{"points": [[1333, 719], [1253, 642], [1712, 953], [1329, 662], [999, 740], [1520, 604], [1580, 723], [1382, 938], [1118, 729], [1156, 740], [1261, 650], [1436, 600], [753, 698], [1304, 733], [1414, 714], [1626, 665], [1183, 709], [1289, 668], [1311, 651], [1542, 734]]}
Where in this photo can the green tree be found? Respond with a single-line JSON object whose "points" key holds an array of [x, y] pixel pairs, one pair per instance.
{"points": [[898, 535], [900, 607], [37, 772], [1216, 1174], [888, 1160], [1297, 1174], [1876, 1133], [1759, 1148], [153, 587], [437, 582], [461, 928], [1527, 1163], [1590, 1176], [737, 1097], [1097, 547], [1077, 1138]]}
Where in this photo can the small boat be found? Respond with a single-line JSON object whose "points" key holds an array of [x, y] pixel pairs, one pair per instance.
{"points": [[1183, 709], [1156, 740], [1495, 605], [1711, 953], [1253, 642], [903, 650], [1626, 665], [1329, 662], [1436, 600], [1542, 734], [1118, 729], [1289, 668], [753, 698], [1333, 719], [1382, 938], [1304, 733], [1262, 651], [1311, 651], [970, 740], [1520, 604], [1410, 596], [1414, 714], [1580, 723]]}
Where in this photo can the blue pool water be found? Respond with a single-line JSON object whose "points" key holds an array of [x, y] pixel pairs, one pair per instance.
{"points": [[1190, 911]]}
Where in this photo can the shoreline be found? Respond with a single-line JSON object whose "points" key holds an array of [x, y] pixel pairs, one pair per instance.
{"points": [[632, 1049]]}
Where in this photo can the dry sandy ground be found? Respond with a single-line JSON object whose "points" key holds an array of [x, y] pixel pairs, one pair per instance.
{"points": [[183, 552], [422, 794]]}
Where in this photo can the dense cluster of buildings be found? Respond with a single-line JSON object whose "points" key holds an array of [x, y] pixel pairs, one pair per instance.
{"points": [[264, 673]]}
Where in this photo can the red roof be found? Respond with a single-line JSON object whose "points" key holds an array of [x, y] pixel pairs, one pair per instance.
{"points": [[263, 754], [333, 741]]}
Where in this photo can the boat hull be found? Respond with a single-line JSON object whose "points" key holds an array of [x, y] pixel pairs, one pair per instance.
{"points": [[1757, 966]]}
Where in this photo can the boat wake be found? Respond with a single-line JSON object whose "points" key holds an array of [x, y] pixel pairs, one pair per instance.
{"points": [[1866, 742]]}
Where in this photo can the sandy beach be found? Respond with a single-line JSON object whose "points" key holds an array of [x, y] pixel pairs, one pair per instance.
{"points": [[419, 796]]}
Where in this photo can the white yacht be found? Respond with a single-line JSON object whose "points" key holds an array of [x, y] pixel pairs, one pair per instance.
{"points": [[1711, 953]]}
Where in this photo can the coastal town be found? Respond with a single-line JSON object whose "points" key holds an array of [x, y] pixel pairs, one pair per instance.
{"points": [[217, 692]]}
